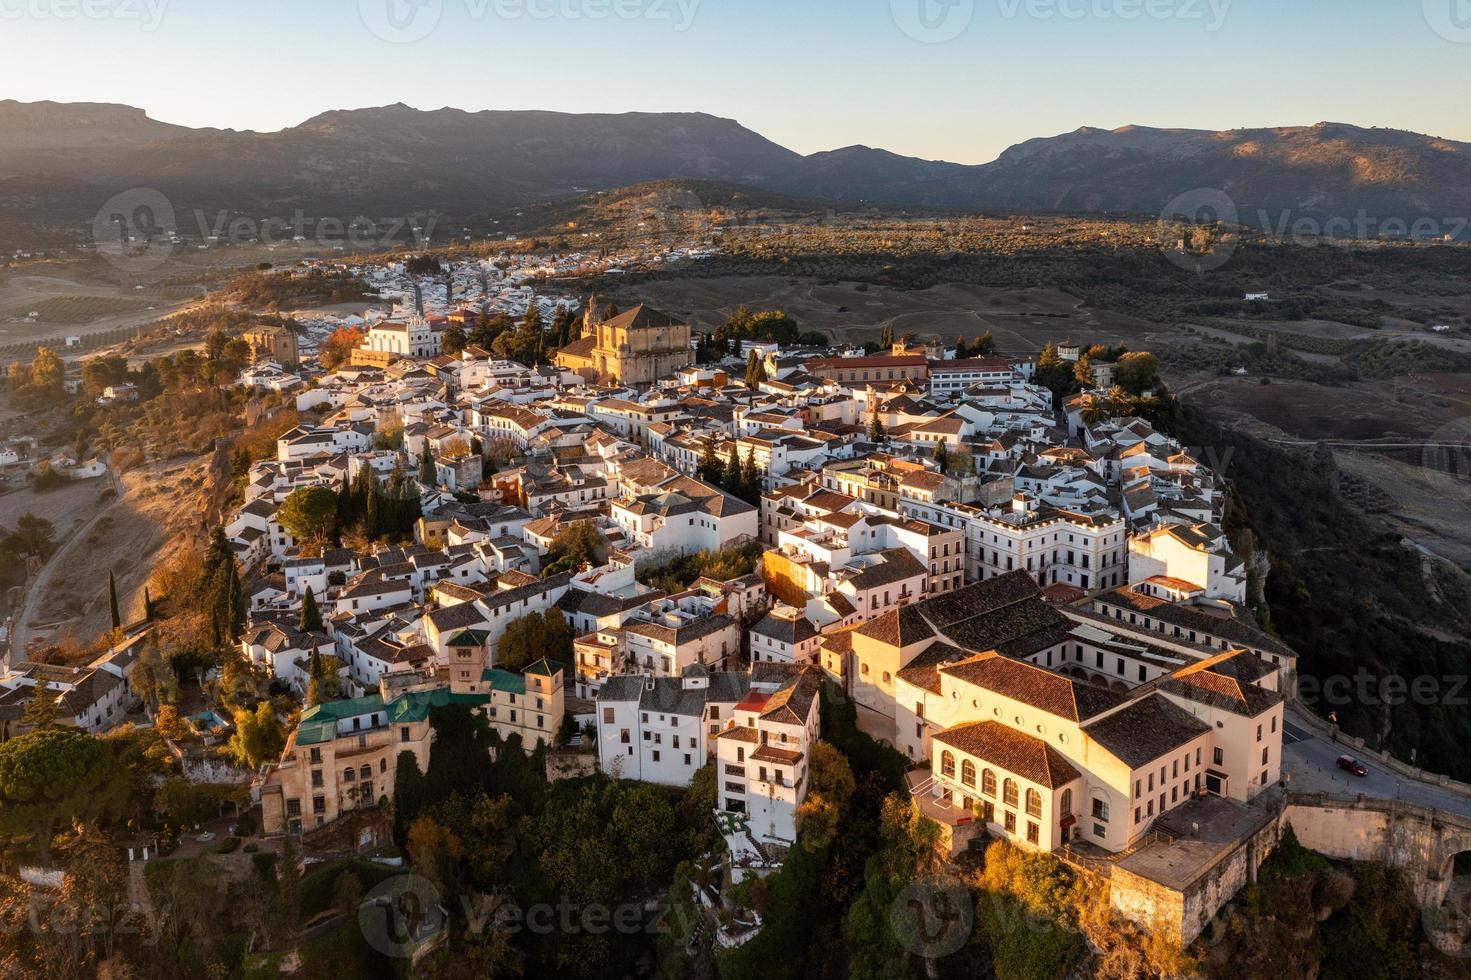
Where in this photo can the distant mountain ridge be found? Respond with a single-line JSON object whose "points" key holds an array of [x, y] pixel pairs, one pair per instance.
{"points": [[395, 160]]}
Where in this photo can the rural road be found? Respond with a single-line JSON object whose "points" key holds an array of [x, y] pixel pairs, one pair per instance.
{"points": [[20, 628]]}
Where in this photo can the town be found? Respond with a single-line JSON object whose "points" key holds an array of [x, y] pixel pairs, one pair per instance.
{"points": [[659, 552]]}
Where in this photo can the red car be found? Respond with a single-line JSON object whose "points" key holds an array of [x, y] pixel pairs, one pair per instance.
{"points": [[1353, 765]]}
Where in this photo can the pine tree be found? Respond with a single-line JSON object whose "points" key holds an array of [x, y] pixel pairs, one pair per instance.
{"points": [[311, 617], [942, 455], [876, 431], [886, 339], [117, 619], [43, 711], [961, 351]]}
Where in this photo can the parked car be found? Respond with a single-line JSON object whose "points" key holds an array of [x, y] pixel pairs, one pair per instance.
{"points": [[1353, 765]]}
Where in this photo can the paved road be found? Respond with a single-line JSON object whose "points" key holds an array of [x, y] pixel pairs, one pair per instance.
{"points": [[1310, 760]]}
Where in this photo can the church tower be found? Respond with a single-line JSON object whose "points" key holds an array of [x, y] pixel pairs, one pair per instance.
{"points": [[592, 316]]}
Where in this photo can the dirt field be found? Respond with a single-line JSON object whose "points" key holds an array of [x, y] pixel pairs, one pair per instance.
{"points": [[128, 541], [1022, 320]]}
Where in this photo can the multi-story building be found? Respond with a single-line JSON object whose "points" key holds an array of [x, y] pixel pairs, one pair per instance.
{"points": [[634, 348], [988, 685], [1187, 558], [763, 753]]}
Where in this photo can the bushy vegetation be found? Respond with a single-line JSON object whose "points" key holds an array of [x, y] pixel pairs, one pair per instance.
{"points": [[675, 573]]}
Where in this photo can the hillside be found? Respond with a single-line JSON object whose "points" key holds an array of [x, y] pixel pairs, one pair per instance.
{"points": [[60, 162]]}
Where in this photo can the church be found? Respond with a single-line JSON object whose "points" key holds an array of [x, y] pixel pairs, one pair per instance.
{"points": [[636, 347]]}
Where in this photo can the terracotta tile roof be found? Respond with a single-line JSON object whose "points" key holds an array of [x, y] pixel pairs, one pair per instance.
{"points": [[1053, 693], [1145, 730], [1015, 752]]}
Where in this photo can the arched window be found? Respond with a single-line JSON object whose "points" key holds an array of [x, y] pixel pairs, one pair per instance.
{"points": [[1008, 792], [968, 773], [988, 783], [1034, 803], [1066, 806], [347, 775], [947, 763]]}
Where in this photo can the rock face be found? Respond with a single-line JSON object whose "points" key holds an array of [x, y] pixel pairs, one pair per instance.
{"points": [[395, 160]]}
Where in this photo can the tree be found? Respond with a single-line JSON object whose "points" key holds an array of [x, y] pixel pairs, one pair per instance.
{"points": [[311, 616], [47, 371], [876, 431], [168, 724], [52, 778], [43, 709], [730, 480], [117, 619], [942, 454], [1138, 372], [755, 370], [337, 349], [983, 346], [534, 637], [711, 468], [427, 475], [258, 738], [577, 544], [310, 513], [454, 340], [751, 479]]}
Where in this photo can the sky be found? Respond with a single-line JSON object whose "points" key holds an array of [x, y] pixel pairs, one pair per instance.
{"points": [[956, 80]]}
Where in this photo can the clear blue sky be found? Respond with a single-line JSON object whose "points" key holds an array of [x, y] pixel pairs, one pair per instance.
{"points": [[810, 74]]}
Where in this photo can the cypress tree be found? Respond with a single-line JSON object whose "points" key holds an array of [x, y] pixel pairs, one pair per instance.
{"points": [[751, 478], [117, 619], [427, 475], [311, 617]]}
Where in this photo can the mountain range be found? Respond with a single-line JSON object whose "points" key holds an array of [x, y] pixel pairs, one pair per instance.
{"points": [[60, 161]]}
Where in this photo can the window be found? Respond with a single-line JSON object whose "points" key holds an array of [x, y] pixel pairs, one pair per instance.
{"points": [[1218, 756], [988, 783], [607, 716], [968, 773], [947, 763], [1100, 810], [1032, 833], [1010, 822], [1034, 804], [1008, 792]]}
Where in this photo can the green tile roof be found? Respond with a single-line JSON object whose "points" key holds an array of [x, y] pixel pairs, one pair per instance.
{"points": [[505, 680]]}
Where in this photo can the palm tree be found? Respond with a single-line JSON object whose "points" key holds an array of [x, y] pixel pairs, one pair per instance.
{"points": [[1093, 409]]}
